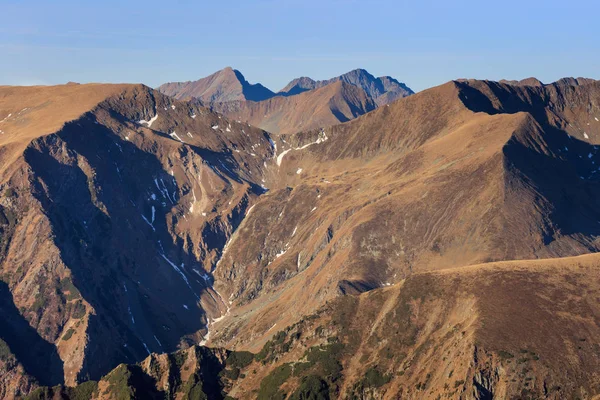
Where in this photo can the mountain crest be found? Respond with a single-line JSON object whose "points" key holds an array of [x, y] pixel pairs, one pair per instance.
{"points": [[227, 84], [382, 90]]}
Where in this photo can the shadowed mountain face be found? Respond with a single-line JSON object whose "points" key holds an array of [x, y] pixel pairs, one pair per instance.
{"points": [[39, 358], [225, 85], [423, 249], [111, 224]]}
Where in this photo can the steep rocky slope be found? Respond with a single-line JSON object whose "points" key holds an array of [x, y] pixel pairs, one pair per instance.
{"points": [[427, 183], [113, 212], [227, 84], [382, 90], [386, 242], [303, 105], [323, 107], [457, 334]]}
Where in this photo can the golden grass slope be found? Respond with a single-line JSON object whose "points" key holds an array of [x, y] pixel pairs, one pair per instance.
{"points": [[424, 184], [322, 107]]}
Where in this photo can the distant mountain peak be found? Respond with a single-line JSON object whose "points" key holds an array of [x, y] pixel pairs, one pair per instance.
{"points": [[227, 84], [382, 90]]}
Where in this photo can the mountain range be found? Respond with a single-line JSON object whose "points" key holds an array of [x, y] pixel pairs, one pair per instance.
{"points": [[442, 245], [303, 104]]}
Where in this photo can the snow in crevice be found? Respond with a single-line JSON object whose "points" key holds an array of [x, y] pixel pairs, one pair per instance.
{"points": [[174, 135], [298, 171], [166, 191], [177, 269], [322, 138], [148, 222], [280, 157], [228, 170], [282, 252], [7, 117], [131, 315], [206, 337], [150, 122]]}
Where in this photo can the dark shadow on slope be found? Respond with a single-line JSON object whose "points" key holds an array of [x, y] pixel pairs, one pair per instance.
{"points": [[566, 180], [39, 357], [355, 287], [293, 91], [119, 263], [562, 170], [253, 92]]}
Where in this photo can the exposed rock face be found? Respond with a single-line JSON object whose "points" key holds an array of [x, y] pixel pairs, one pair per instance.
{"points": [[400, 191], [382, 90], [460, 334], [112, 224], [424, 249], [303, 105], [225, 85]]}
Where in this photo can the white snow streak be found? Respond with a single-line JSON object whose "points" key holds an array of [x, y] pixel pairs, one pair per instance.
{"points": [[148, 123], [175, 136], [322, 138]]}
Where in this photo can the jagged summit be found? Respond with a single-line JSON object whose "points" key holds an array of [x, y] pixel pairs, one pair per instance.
{"points": [[425, 237], [303, 104], [382, 90]]}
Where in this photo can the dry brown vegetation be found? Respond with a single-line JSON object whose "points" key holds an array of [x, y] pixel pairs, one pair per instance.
{"points": [[438, 247]]}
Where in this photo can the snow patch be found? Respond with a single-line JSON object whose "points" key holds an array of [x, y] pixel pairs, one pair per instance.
{"points": [[150, 122], [175, 136], [322, 138], [149, 223], [280, 253]]}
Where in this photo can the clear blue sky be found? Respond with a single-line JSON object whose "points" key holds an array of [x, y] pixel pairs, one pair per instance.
{"points": [[423, 43]]}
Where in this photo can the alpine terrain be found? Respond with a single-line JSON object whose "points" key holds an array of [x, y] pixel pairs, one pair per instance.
{"points": [[303, 104], [340, 239]]}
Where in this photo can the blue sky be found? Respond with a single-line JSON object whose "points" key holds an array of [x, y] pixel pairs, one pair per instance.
{"points": [[422, 43]]}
